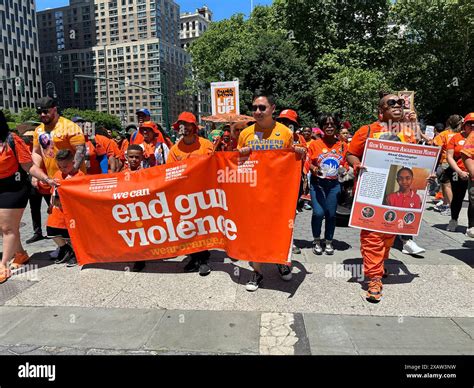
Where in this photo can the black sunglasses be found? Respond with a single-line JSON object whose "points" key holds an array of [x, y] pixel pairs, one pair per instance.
{"points": [[262, 108], [44, 111], [393, 102]]}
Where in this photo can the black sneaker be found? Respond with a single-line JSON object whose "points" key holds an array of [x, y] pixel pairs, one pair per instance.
{"points": [[65, 253], [138, 266], [204, 269], [36, 237], [192, 266], [254, 282], [285, 271], [295, 250], [72, 262]]}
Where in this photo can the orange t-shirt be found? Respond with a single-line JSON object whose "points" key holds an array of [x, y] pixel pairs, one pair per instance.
{"points": [[442, 141], [377, 131], [123, 149], [457, 143], [65, 135], [9, 163], [93, 166], [328, 158], [181, 151], [109, 146], [468, 148], [56, 219]]}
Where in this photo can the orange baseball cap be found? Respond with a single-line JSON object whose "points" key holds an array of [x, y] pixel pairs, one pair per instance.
{"points": [[187, 117], [289, 114], [469, 117]]}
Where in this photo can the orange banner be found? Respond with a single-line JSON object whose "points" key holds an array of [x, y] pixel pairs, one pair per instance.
{"points": [[243, 206]]}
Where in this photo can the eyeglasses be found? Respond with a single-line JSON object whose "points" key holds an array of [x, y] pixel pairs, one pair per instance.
{"points": [[392, 102], [262, 108]]}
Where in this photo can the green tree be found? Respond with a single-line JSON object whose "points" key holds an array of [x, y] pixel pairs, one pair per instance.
{"points": [[9, 116], [99, 118], [27, 114], [431, 51]]}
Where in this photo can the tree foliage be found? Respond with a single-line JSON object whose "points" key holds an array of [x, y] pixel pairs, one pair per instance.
{"points": [[336, 55], [99, 118]]}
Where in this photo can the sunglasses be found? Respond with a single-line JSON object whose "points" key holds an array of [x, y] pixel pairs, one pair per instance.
{"points": [[392, 102], [42, 111], [262, 108]]}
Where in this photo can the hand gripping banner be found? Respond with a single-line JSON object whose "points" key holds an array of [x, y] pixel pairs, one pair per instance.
{"points": [[243, 206]]}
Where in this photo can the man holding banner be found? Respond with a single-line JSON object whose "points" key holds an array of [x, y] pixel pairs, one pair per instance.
{"points": [[266, 134], [191, 145]]}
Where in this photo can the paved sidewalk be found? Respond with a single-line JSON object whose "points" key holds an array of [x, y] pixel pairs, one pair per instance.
{"points": [[106, 309]]}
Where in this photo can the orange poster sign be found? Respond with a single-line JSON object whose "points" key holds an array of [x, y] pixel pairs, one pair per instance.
{"points": [[225, 97], [243, 206]]}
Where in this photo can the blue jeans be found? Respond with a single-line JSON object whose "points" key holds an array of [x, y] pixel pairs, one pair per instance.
{"points": [[324, 197]]}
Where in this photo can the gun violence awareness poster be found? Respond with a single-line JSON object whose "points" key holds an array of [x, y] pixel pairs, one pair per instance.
{"points": [[391, 192], [244, 206]]}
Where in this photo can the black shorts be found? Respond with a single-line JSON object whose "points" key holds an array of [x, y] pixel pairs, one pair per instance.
{"points": [[446, 175], [56, 232], [13, 194]]}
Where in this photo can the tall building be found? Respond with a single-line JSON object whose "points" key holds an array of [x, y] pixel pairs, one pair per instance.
{"points": [[193, 25], [19, 55], [67, 37], [138, 46], [129, 57]]}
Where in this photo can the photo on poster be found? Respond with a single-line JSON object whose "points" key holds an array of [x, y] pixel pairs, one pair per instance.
{"points": [[405, 187]]}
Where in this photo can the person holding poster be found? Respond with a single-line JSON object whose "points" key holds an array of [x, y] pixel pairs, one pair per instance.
{"points": [[155, 151], [467, 154], [190, 146], [327, 157], [266, 134], [460, 177], [375, 246]]}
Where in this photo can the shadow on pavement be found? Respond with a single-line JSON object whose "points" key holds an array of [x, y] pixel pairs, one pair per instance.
{"points": [[337, 244], [464, 255], [460, 229], [237, 274], [398, 273]]}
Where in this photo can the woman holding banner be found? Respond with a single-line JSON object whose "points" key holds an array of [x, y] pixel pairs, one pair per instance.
{"points": [[15, 162], [467, 154]]}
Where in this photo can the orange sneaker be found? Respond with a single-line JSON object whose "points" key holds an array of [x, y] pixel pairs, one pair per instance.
{"points": [[374, 291], [5, 273], [19, 260], [439, 195]]}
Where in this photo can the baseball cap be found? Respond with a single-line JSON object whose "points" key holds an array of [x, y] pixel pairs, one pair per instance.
{"points": [[469, 117], [317, 131], [187, 117], [146, 112], [289, 114], [45, 103], [78, 119]]}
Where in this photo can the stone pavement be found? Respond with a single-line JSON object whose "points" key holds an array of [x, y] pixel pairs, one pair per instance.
{"points": [[106, 309]]}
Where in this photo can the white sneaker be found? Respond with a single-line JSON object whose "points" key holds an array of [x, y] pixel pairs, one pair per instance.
{"points": [[453, 224], [438, 205], [317, 248], [446, 212], [329, 250], [470, 232], [410, 247]]}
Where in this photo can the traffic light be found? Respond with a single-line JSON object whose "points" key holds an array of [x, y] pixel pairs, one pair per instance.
{"points": [[76, 86]]}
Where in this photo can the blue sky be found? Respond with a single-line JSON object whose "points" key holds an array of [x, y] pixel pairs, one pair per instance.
{"points": [[222, 9]]}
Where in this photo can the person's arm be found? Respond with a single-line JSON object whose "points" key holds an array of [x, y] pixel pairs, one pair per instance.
{"points": [[452, 163], [469, 163], [114, 164], [38, 173], [79, 156]]}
